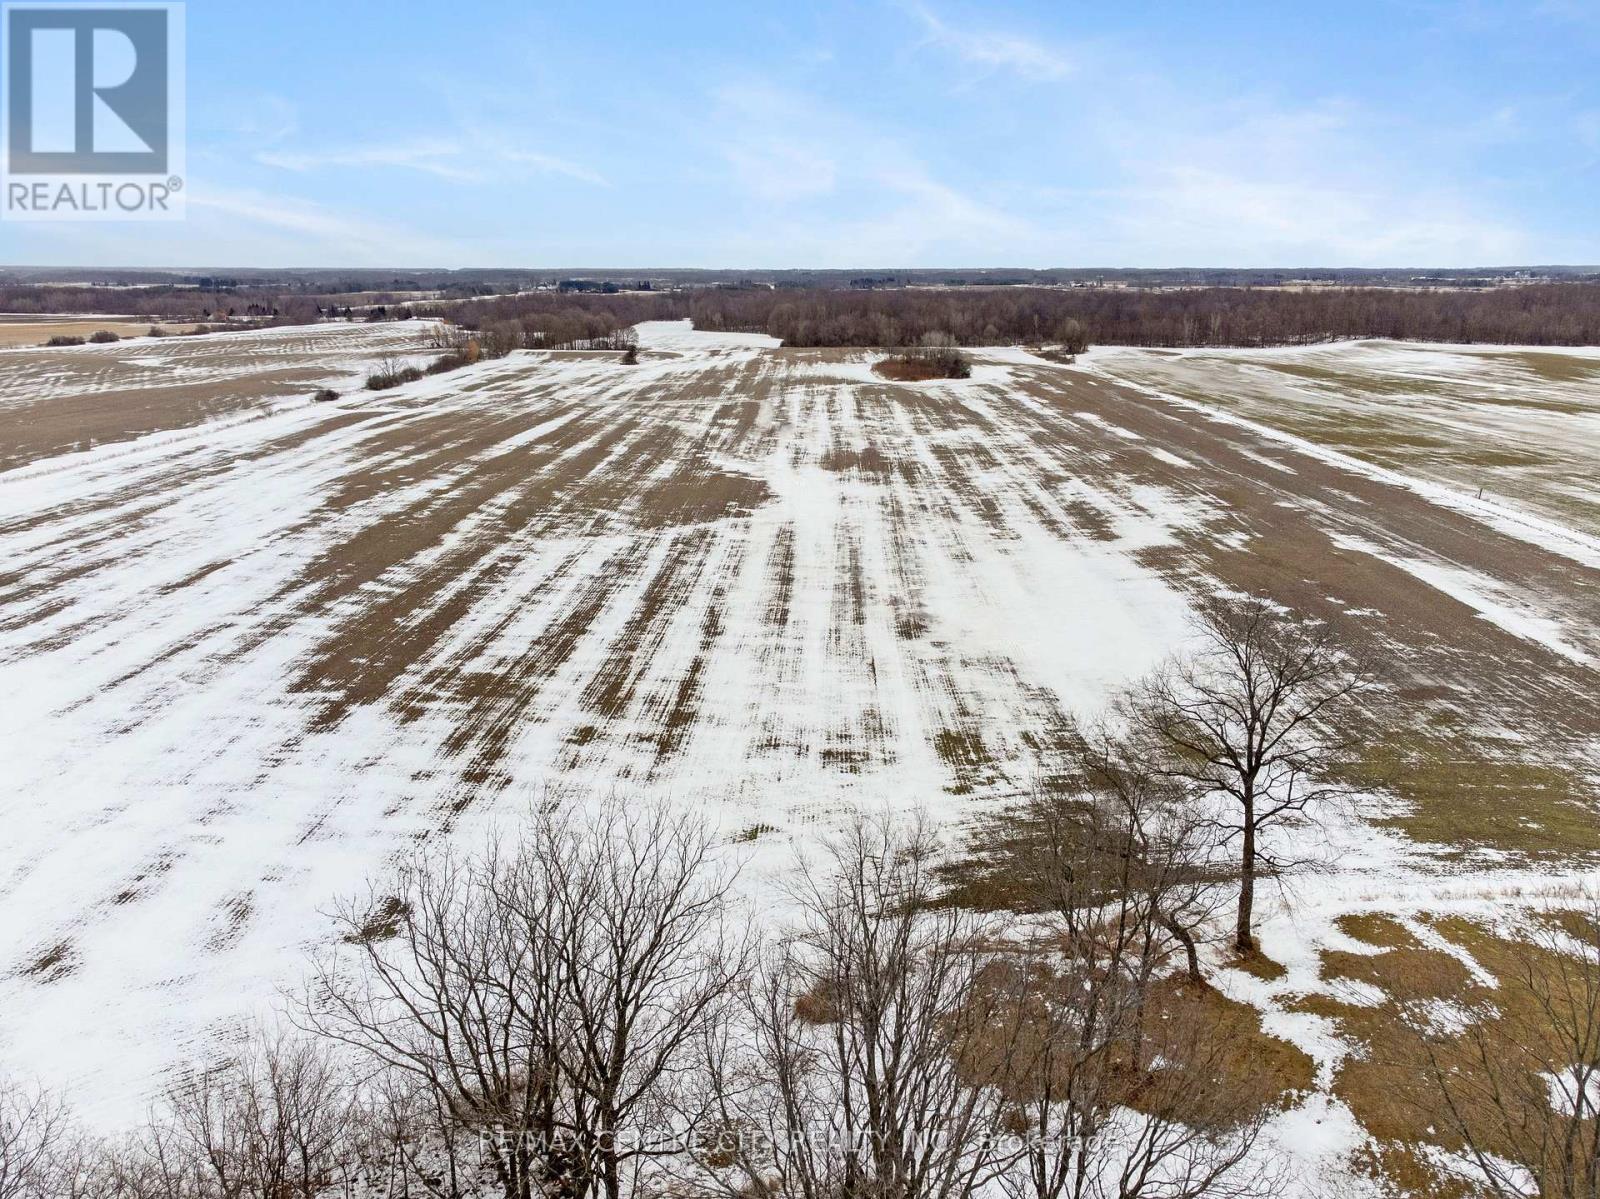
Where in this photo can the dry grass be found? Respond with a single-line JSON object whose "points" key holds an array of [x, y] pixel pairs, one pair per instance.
{"points": [[868, 461], [382, 922], [1557, 368], [1388, 1084], [1412, 972], [1318, 1004], [1401, 1169], [1257, 965], [753, 832], [55, 963], [818, 1006], [19, 331], [1376, 929], [969, 760], [1252, 1061], [1195, 1056], [1466, 792]]}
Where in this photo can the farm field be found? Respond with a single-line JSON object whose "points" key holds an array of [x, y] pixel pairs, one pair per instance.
{"points": [[36, 330], [1521, 424], [255, 644]]}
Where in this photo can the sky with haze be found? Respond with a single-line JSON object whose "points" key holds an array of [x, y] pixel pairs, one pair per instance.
{"points": [[876, 133]]}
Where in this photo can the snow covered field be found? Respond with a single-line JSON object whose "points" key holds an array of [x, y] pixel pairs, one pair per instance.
{"points": [[252, 644], [1521, 423]]}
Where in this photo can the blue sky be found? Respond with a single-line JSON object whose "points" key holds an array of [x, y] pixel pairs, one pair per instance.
{"points": [[1393, 132]]}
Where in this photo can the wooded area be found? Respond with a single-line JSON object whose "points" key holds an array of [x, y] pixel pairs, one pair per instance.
{"points": [[1554, 313], [1538, 314]]}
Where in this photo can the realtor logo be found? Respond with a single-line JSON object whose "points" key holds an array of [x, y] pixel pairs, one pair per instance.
{"points": [[93, 111]]}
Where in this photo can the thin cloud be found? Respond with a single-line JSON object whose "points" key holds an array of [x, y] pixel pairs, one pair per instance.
{"points": [[334, 236], [473, 158], [836, 190], [431, 158], [996, 50], [549, 164], [1250, 183]]}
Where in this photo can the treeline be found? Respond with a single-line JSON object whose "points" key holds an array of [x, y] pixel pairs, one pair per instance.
{"points": [[1560, 313], [477, 332], [556, 321], [1537, 314], [165, 303]]}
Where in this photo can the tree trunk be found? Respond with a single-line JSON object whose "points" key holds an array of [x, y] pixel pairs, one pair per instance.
{"points": [[1183, 938], [1243, 940]]}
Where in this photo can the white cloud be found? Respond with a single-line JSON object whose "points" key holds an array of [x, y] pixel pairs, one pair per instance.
{"points": [[311, 233], [1250, 182], [1212, 217], [835, 190], [996, 50], [438, 158], [470, 158], [549, 164]]}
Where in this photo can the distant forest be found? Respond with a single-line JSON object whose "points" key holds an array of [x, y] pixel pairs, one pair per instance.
{"points": [[868, 311], [551, 320], [1534, 314]]}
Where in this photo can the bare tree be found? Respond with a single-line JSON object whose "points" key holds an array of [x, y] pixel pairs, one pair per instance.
{"points": [[277, 1120], [1119, 1074], [870, 1060], [898, 1048], [1123, 860], [645, 964], [941, 352], [1074, 338], [1254, 720], [35, 1130], [547, 993], [1519, 1085], [436, 984]]}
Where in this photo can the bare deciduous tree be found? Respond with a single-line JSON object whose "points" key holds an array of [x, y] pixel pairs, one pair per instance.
{"points": [[1120, 1077], [546, 994], [35, 1129], [898, 1048], [277, 1120], [869, 1065], [1519, 1085], [1253, 720], [1125, 855]]}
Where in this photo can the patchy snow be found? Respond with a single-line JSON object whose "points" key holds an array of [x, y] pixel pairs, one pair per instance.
{"points": [[1486, 399], [265, 650], [1491, 600], [196, 613]]}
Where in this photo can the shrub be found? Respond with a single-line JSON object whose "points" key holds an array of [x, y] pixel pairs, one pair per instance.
{"points": [[62, 339], [935, 357], [392, 376], [155, 331], [630, 356], [903, 368], [324, 395], [101, 337], [1074, 338]]}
